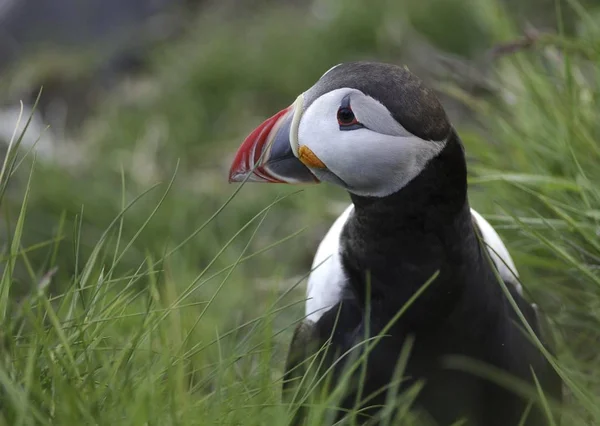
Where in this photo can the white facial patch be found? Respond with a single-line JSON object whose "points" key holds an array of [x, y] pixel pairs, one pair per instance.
{"points": [[376, 160]]}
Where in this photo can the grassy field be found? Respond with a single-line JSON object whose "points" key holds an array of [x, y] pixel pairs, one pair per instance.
{"points": [[139, 288]]}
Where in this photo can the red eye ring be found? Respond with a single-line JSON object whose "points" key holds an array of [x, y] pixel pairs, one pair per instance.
{"points": [[346, 117]]}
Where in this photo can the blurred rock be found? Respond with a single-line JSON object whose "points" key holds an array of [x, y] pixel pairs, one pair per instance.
{"points": [[31, 23], [13, 121], [76, 50]]}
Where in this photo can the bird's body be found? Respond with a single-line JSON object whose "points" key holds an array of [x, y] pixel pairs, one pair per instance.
{"points": [[463, 314], [327, 278], [403, 164]]}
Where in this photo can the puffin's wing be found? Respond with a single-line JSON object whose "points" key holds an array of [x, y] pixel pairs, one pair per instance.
{"points": [[299, 351], [551, 380], [326, 281], [303, 347]]}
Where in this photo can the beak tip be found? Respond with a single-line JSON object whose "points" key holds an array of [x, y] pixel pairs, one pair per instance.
{"points": [[236, 175], [267, 155], [238, 171]]}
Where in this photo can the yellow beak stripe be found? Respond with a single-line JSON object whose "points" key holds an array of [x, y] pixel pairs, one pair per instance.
{"points": [[309, 158]]}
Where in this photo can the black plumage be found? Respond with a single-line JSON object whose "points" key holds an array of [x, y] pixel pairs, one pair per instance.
{"points": [[390, 247]]}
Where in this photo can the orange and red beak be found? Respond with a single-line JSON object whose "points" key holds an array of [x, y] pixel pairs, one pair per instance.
{"points": [[269, 153]]}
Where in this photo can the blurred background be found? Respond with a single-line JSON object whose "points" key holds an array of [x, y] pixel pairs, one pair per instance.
{"points": [[139, 92], [135, 86]]}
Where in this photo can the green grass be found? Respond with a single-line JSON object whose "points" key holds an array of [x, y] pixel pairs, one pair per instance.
{"points": [[138, 287]]}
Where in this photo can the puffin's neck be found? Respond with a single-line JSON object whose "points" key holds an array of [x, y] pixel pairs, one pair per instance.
{"points": [[403, 239], [431, 199]]}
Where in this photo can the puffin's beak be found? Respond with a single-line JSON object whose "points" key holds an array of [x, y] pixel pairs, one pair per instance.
{"points": [[268, 153]]}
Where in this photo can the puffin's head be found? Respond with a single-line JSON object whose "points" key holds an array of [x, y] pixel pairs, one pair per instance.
{"points": [[367, 127]]}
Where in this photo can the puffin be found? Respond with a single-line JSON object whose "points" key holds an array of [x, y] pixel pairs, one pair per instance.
{"points": [[409, 277]]}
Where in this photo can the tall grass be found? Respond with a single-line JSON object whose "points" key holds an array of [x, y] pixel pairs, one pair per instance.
{"points": [[172, 303], [538, 176], [107, 350]]}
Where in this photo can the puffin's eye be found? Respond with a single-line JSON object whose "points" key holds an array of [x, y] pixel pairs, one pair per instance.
{"points": [[346, 119], [345, 116]]}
